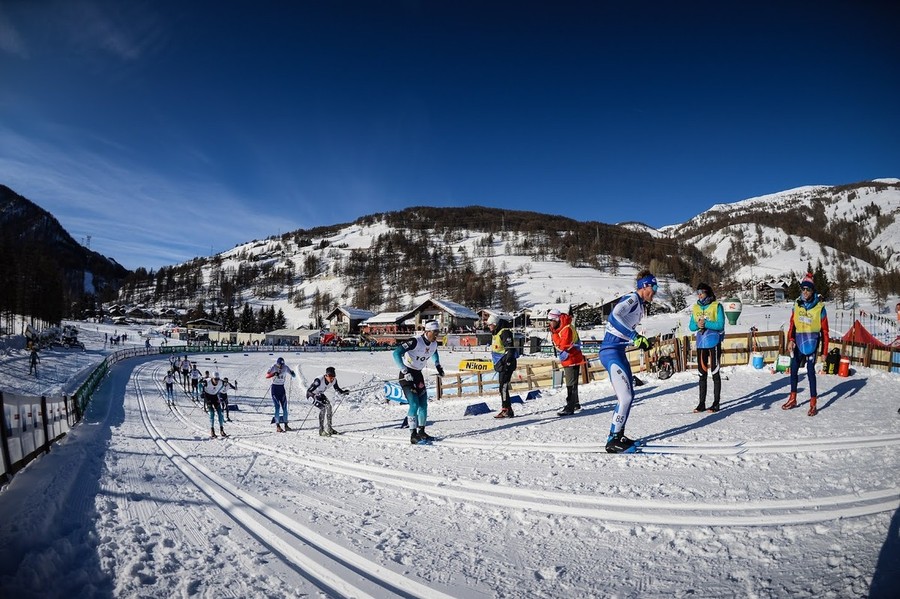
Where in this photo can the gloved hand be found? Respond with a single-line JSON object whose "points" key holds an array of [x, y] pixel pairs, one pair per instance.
{"points": [[563, 355], [319, 401], [642, 342], [407, 375], [440, 369], [344, 392]]}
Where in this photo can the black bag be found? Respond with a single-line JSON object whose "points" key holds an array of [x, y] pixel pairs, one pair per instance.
{"points": [[832, 361], [665, 367]]}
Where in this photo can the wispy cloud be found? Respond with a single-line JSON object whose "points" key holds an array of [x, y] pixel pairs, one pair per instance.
{"points": [[134, 215], [11, 40]]}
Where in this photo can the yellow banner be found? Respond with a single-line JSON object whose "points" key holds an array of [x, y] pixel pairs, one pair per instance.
{"points": [[476, 365]]}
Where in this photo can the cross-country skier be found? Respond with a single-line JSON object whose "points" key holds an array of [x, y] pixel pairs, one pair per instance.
{"points": [[565, 340], [212, 386], [708, 320], [195, 375], [411, 356], [808, 327], [223, 396], [169, 380], [620, 333], [185, 372], [503, 354], [278, 373], [316, 392]]}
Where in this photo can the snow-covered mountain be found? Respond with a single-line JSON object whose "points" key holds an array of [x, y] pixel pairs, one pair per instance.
{"points": [[776, 236], [368, 263]]}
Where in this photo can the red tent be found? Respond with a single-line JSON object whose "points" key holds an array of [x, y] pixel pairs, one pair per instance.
{"points": [[859, 334]]}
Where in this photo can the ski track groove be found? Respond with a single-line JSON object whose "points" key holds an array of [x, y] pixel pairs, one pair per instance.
{"points": [[247, 511], [628, 510]]}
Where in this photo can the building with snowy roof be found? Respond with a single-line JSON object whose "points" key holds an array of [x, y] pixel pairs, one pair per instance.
{"points": [[346, 320]]}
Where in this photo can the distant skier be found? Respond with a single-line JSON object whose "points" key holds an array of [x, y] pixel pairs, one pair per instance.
{"points": [[212, 386], [708, 320], [808, 327], [185, 372], [223, 396], [278, 373], [503, 354], [620, 333], [169, 380], [565, 339], [316, 392], [411, 356], [195, 376], [33, 361]]}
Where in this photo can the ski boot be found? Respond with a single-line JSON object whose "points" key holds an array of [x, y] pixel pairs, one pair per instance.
{"points": [[212, 433], [286, 427], [566, 411], [423, 436], [812, 407], [577, 407], [222, 432], [324, 433], [791, 402], [701, 407], [331, 431], [714, 408], [414, 437], [618, 443]]}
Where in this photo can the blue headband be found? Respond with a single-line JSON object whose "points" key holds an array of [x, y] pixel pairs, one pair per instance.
{"points": [[648, 281]]}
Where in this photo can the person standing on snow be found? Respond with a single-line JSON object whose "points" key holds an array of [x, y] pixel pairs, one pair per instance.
{"points": [[708, 320], [195, 375], [316, 392], [808, 327], [211, 388], [411, 356], [503, 354], [620, 333], [185, 372], [33, 361], [278, 373], [223, 396], [565, 340], [169, 380]]}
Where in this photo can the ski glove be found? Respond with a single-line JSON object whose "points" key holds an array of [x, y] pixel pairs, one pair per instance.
{"points": [[440, 369], [642, 342], [563, 355], [407, 375], [344, 392]]}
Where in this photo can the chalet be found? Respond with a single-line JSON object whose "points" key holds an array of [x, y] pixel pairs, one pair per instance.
{"points": [[389, 323], [293, 337], [204, 323], [770, 291], [346, 320], [452, 317]]}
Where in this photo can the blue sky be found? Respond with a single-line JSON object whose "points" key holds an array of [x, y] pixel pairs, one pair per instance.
{"points": [[166, 130]]}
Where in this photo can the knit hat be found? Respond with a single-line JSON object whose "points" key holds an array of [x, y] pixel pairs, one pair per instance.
{"points": [[553, 314], [808, 282], [493, 319]]}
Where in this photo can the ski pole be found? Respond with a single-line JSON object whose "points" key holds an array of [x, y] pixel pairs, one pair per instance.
{"points": [[308, 412]]}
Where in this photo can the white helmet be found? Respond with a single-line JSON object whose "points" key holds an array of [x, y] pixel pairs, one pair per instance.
{"points": [[432, 325], [493, 319]]}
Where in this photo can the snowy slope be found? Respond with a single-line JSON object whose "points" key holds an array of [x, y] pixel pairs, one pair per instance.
{"points": [[750, 502], [848, 202]]}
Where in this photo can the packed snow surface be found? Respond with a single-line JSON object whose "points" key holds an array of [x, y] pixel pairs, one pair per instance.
{"points": [[753, 501]]}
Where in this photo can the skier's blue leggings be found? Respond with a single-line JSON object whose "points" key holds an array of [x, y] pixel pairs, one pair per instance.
{"points": [[279, 399], [796, 359], [619, 370], [418, 405]]}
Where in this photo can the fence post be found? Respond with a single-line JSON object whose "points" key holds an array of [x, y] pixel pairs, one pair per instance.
{"points": [[7, 464], [46, 446]]}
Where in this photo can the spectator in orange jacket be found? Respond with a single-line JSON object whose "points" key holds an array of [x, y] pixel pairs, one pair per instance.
{"points": [[565, 340]]}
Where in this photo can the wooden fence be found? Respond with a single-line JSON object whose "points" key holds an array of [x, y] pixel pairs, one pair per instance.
{"points": [[738, 349]]}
